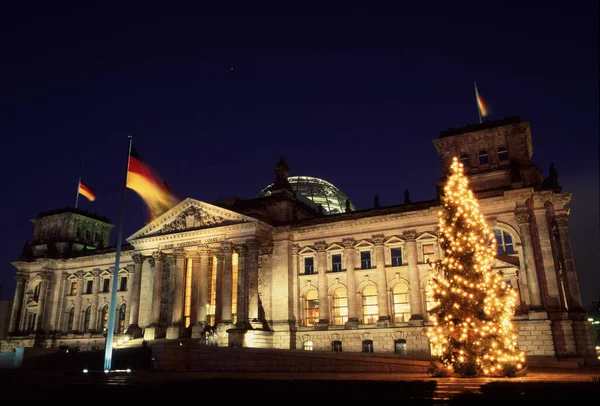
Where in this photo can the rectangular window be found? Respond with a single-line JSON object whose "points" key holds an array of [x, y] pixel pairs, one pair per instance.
{"points": [[508, 244], [73, 288], [309, 266], [499, 245], [365, 260], [105, 285], [428, 253], [396, 256], [88, 287], [336, 262], [123, 285]]}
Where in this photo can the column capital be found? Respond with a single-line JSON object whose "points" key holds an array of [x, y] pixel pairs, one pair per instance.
{"points": [[64, 276], [137, 258], [196, 257], [218, 252], [295, 249], [321, 246], [21, 277], [179, 253], [45, 275], [241, 250], [204, 250], [158, 256], [348, 243], [523, 217], [79, 274], [266, 249], [562, 220], [410, 235], [377, 239], [252, 244], [227, 247]]}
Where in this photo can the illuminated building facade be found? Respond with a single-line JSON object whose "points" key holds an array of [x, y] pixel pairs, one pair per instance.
{"points": [[275, 271]]}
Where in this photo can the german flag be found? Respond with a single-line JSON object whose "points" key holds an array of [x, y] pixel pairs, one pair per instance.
{"points": [[151, 188], [86, 191]]}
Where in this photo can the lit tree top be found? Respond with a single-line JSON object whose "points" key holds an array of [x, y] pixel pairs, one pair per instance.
{"points": [[473, 330]]}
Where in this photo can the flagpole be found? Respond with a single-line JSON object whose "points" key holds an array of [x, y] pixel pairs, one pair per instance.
{"points": [[477, 102], [78, 187], [113, 292]]}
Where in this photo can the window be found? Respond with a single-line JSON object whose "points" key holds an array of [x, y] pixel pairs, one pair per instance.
{"points": [[336, 262], [86, 318], [340, 307], [502, 153], [311, 308], [121, 322], [88, 286], [309, 265], [484, 159], [396, 256], [464, 159], [428, 253], [336, 346], [105, 285], [307, 346], [401, 303], [504, 243], [70, 320], [36, 291], [365, 260], [367, 346], [370, 307], [123, 285], [73, 288], [104, 318], [400, 346]]}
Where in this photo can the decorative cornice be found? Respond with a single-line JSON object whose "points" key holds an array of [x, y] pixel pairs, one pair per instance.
{"points": [[320, 246], [410, 235]]}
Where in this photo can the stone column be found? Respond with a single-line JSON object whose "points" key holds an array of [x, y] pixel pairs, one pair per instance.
{"points": [[572, 288], [298, 316], [252, 272], [226, 295], [17, 302], [39, 321], [77, 313], [174, 330], [416, 304], [242, 292], [384, 314], [553, 294], [218, 254], [322, 284], [95, 289], [524, 220], [154, 330], [349, 256], [134, 305], [200, 289], [195, 289]]}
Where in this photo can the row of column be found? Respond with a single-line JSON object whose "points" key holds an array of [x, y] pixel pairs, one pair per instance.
{"points": [[247, 289]]}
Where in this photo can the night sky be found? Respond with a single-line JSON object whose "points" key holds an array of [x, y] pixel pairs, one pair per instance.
{"points": [[355, 96]]}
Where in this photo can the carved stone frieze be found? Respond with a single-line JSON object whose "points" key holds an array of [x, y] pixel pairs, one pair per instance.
{"points": [[190, 218]]}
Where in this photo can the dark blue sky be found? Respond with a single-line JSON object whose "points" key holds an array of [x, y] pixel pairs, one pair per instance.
{"points": [[355, 96]]}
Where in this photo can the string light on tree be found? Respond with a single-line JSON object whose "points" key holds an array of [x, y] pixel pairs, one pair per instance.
{"points": [[472, 319]]}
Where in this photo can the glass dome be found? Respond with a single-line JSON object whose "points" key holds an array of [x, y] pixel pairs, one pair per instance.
{"points": [[315, 191]]}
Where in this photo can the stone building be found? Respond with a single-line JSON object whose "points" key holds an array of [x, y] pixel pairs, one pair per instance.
{"points": [[280, 271]]}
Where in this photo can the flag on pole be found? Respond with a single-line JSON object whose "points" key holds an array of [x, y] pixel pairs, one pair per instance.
{"points": [[152, 188], [86, 191], [480, 104]]}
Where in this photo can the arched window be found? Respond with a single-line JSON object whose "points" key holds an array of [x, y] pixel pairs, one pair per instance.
{"points": [[340, 306], [401, 303], [86, 318], [400, 346], [502, 153], [311, 308], [70, 320], [504, 243], [121, 322], [104, 318], [336, 346], [36, 291], [464, 159], [370, 307], [484, 159], [367, 346]]}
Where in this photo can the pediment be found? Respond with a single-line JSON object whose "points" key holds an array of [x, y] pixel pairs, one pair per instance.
{"points": [[32, 303], [394, 240], [426, 236], [307, 250], [363, 244], [506, 261], [105, 273], [335, 247], [190, 214]]}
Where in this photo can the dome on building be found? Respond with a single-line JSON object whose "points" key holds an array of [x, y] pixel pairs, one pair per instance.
{"points": [[315, 191]]}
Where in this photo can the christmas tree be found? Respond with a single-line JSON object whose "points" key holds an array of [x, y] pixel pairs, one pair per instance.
{"points": [[472, 319]]}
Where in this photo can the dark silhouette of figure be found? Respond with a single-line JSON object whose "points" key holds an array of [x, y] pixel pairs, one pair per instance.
{"points": [[551, 182]]}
